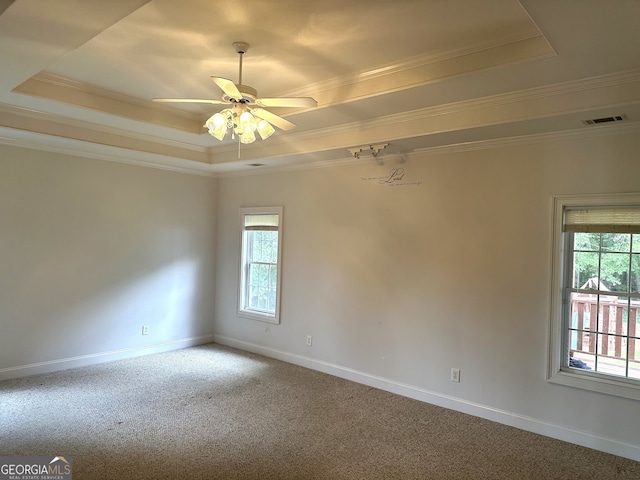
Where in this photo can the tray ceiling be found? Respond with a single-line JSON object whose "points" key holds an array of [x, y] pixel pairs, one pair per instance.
{"points": [[80, 76]]}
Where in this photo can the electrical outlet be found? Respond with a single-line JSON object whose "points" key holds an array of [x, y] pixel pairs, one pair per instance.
{"points": [[145, 329], [455, 375], [309, 340]]}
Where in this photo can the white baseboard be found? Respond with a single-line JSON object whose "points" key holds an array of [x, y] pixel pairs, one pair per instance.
{"points": [[101, 357], [453, 403]]}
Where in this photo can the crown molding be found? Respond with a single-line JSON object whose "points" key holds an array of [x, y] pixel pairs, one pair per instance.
{"points": [[492, 144], [77, 148], [54, 87], [537, 138], [414, 73], [42, 142], [529, 46], [25, 119]]}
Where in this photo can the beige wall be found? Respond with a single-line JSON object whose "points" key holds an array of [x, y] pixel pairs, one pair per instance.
{"points": [[92, 250], [399, 284], [448, 268]]}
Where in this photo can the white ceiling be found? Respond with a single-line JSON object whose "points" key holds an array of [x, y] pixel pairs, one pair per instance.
{"points": [[78, 75]]}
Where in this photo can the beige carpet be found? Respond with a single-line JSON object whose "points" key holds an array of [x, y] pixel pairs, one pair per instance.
{"points": [[212, 412]]}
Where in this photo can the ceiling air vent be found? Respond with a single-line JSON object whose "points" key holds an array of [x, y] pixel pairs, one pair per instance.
{"points": [[596, 121], [256, 164]]}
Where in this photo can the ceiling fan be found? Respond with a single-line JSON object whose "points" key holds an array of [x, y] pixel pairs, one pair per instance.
{"points": [[245, 114]]}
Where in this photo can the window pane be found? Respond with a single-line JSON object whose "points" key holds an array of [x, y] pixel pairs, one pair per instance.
{"points": [[613, 315], [578, 358], [265, 246], [612, 342], [634, 340], [254, 296], [272, 253], [254, 274], [272, 300], [258, 298], [636, 243], [586, 241], [251, 245], [616, 242], [583, 321], [273, 276], [262, 287], [585, 267], [259, 246], [614, 271], [612, 364], [634, 282]]}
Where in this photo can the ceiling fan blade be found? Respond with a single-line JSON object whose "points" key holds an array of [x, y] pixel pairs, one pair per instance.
{"points": [[228, 87], [189, 100], [297, 102], [273, 119]]}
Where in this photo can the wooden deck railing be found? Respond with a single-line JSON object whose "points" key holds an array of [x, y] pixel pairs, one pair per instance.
{"points": [[612, 329]]}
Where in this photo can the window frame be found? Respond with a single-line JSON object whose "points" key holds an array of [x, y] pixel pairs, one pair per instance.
{"points": [[242, 309], [561, 263]]}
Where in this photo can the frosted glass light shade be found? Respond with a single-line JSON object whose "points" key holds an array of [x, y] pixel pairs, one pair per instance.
{"points": [[248, 136], [265, 129], [217, 126], [243, 123], [246, 123]]}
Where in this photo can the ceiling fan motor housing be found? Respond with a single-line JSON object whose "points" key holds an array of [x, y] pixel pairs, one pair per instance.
{"points": [[241, 47], [249, 94]]}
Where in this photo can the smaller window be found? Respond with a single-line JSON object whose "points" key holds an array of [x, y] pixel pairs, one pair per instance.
{"points": [[259, 290]]}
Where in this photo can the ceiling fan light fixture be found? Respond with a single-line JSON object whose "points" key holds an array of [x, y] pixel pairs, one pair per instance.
{"points": [[246, 123], [217, 125], [247, 137], [241, 122], [265, 129]]}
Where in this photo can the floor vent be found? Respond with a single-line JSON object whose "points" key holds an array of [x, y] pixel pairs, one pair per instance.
{"points": [[596, 121]]}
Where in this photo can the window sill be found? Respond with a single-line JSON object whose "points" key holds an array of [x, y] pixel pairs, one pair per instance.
{"points": [[597, 383], [261, 317]]}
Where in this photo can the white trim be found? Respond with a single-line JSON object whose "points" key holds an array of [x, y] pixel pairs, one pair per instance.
{"points": [[78, 148], [503, 142], [97, 129], [100, 357], [533, 44], [504, 417], [532, 139]]}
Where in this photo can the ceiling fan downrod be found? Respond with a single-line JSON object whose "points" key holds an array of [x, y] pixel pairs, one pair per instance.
{"points": [[241, 49]]}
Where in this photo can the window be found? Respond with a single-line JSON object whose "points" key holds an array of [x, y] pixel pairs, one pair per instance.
{"points": [[595, 334], [259, 291]]}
